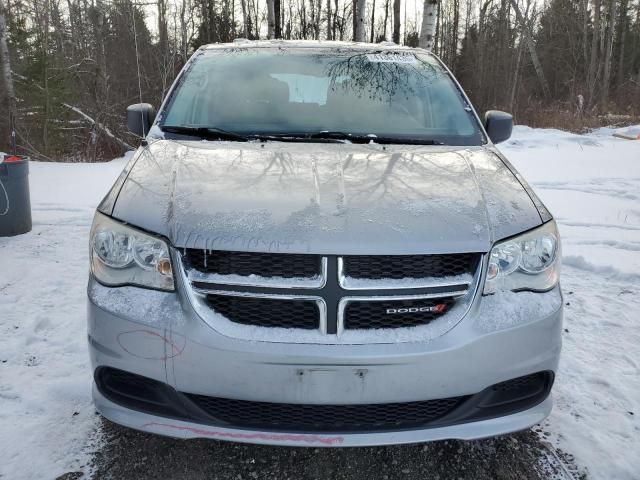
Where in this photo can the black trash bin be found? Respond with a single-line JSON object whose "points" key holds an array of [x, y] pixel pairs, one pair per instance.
{"points": [[15, 204]]}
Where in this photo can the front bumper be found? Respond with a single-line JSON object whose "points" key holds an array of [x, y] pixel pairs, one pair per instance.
{"points": [[181, 429], [157, 335]]}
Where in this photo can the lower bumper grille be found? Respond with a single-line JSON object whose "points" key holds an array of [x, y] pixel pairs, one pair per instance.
{"points": [[267, 312], [151, 396], [325, 418]]}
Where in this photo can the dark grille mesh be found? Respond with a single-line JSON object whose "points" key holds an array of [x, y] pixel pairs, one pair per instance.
{"points": [[249, 263], [373, 314], [410, 266], [325, 418], [528, 381], [265, 312]]}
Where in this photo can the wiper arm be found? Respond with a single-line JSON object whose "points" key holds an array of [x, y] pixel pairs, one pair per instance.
{"points": [[210, 133]]}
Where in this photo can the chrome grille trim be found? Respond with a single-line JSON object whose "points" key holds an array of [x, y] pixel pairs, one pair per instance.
{"points": [[273, 282], [201, 294], [331, 309]]}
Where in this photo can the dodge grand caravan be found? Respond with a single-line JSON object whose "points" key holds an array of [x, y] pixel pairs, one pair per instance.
{"points": [[319, 244]]}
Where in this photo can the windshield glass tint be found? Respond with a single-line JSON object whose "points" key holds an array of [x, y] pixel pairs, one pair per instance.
{"points": [[304, 91]]}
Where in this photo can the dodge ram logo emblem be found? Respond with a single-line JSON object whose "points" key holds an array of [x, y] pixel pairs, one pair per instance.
{"points": [[439, 308]]}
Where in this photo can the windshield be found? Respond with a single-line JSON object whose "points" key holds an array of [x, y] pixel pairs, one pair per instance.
{"points": [[303, 91]]}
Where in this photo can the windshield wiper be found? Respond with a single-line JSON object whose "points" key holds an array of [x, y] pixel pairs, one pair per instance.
{"points": [[336, 135], [209, 133]]}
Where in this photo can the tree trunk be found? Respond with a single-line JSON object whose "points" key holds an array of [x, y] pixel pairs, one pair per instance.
{"points": [[593, 63], [428, 30], [335, 22], [373, 21], [163, 35], [360, 20], [318, 20], [5, 62], [608, 55], [277, 13], [532, 49], [386, 19], [514, 86], [584, 11], [396, 21], [271, 19], [245, 19], [184, 35], [623, 37], [454, 35], [329, 22]]}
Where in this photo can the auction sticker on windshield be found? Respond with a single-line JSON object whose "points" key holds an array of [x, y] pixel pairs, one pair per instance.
{"points": [[391, 58]]}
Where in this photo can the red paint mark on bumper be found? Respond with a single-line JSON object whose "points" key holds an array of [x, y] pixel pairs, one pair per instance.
{"points": [[273, 437], [174, 350]]}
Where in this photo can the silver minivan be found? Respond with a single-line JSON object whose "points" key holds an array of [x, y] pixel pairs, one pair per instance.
{"points": [[319, 244]]}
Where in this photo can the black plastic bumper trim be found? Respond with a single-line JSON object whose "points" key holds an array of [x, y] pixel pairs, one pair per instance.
{"points": [[157, 398]]}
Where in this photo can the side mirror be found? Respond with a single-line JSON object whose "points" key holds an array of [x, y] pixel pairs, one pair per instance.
{"points": [[140, 117], [498, 125]]}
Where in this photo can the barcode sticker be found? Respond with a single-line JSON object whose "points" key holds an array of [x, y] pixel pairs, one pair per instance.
{"points": [[391, 58]]}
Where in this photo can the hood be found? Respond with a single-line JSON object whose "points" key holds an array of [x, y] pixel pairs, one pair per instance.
{"points": [[323, 198]]}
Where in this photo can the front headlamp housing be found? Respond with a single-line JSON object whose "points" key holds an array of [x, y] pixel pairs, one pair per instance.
{"points": [[122, 255], [530, 261]]}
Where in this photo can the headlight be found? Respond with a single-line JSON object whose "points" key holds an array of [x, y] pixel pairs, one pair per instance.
{"points": [[121, 255], [530, 261]]}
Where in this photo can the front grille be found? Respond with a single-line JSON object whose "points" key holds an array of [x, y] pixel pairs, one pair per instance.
{"points": [[324, 418], [249, 263], [409, 266], [311, 292], [393, 313], [266, 312]]}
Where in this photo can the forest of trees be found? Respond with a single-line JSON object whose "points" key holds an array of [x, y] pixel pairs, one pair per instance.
{"points": [[69, 67]]}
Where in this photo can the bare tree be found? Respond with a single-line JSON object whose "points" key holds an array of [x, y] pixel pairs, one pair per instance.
{"points": [[532, 48]]}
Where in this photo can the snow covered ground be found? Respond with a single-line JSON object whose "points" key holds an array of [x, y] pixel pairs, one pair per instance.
{"points": [[591, 183], [47, 421]]}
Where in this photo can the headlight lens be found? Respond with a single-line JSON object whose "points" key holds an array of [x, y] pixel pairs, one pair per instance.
{"points": [[122, 255], [530, 261]]}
